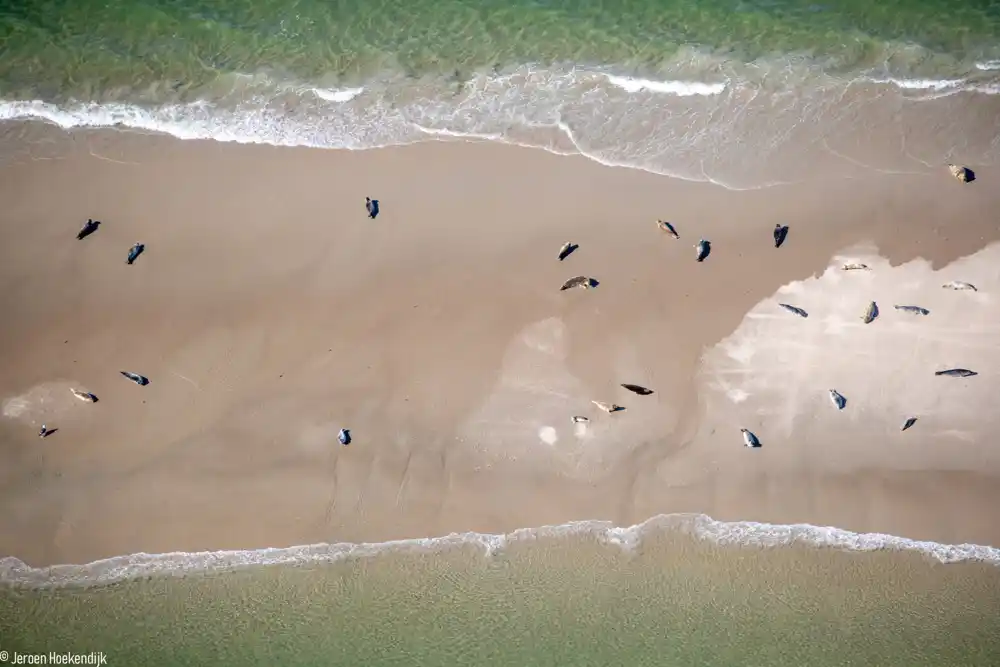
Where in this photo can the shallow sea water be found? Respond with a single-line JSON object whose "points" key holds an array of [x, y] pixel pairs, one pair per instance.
{"points": [[744, 93], [674, 600]]}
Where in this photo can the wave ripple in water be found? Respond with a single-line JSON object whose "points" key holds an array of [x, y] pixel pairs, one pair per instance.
{"points": [[739, 92], [726, 127], [743, 533]]}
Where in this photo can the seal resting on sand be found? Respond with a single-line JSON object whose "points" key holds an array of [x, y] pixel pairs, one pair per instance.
{"points": [[780, 234], [703, 249], [371, 205], [668, 228], [794, 309], [959, 285], [749, 439], [837, 399], [134, 253], [908, 423], [566, 250], [956, 373], [871, 312], [582, 282], [84, 396], [608, 407], [854, 266], [577, 419], [913, 310], [88, 228], [135, 377], [344, 436], [961, 174]]}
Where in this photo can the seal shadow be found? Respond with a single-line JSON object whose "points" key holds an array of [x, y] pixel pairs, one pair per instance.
{"points": [[969, 175], [49, 432]]}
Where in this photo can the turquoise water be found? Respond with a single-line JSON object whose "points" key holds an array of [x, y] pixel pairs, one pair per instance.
{"points": [[724, 90], [135, 43], [571, 601]]}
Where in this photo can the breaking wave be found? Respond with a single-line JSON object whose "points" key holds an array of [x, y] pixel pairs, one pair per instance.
{"points": [[741, 533], [742, 126], [679, 88]]}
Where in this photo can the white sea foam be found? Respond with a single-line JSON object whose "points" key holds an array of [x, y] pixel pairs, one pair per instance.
{"points": [[988, 65], [680, 88], [926, 84], [338, 95], [940, 87], [738, 126], [740, 533]]}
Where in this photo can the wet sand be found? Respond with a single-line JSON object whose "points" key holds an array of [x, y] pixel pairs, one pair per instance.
{"points": [[269, 312]]}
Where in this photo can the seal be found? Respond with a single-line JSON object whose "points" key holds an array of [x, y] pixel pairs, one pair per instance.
{"points": [[837, 399], [371, 205], [88, 228], [344, 436], [956, 373], [871, 312], [794, 309], [577, 419], [959, 285], [749, 439], [780, 234], [134, 253], [913, 310], [961, 174], [135, 377], [704, 248], [855, 266], [582, 282], [567, 250], [637, 389], [668, 228], [908, 423], [43, 432], [84, 396], [608, 407]]}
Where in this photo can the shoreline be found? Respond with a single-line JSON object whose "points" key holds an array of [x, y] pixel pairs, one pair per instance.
{"points": [[745, 143], [258, 344], [734, 534]]}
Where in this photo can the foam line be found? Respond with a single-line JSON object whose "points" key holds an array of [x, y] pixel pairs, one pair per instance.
{"points": [[337, 95], [679, 88], [740, 533]]}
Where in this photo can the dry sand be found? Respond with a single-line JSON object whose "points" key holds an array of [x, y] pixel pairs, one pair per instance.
{"points": [[268, 312]]}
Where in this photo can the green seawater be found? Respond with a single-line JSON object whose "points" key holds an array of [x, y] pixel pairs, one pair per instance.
{"points": [[674, 601], [744, 93], [51, 49]]}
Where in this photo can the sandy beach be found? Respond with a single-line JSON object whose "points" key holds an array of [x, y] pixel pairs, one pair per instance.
{"points": [[268, 312]]}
